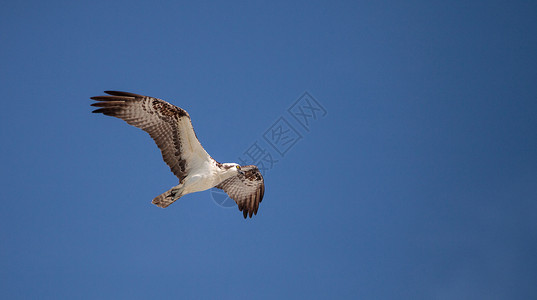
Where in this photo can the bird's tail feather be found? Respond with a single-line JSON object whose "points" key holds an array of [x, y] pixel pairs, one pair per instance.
{"points": [[170, 196]]}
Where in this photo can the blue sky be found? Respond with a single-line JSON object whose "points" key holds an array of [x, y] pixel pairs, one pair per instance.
{"points": [[418, 183]]}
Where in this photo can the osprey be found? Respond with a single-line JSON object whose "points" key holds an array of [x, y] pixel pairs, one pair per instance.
{"points": [[171, 128]]}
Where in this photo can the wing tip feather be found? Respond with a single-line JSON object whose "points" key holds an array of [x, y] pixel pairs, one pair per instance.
{"points": [[120, 93]]}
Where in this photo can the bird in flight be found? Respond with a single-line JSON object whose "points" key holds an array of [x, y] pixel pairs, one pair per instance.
{"points": [[171, 129]]}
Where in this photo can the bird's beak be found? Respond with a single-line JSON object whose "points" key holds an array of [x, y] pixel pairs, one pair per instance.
{"points": [[241, 172]]}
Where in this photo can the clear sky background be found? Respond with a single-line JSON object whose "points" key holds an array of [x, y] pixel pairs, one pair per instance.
{"points": [[420, 182]]}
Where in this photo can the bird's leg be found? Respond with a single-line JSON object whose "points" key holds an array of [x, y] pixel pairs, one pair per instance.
{"points": [[168, 197], [176, 190]]}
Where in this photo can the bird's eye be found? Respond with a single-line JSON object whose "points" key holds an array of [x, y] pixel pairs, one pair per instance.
{"points": [[238, 167]]}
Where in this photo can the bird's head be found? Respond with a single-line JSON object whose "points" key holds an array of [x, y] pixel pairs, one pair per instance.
{"points": [[232, 168]]}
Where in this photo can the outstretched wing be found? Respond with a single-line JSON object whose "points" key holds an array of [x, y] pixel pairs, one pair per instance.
{"points": [[167, 124], [246, 189]]}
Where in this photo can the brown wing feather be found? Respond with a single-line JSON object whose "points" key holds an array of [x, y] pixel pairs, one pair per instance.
{"points": [[246, 189], [168, 125]]}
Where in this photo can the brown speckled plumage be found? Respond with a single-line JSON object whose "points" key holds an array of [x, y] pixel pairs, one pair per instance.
{"points": [[247, 189], [155, 116]]}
